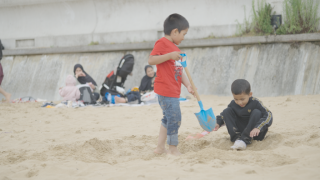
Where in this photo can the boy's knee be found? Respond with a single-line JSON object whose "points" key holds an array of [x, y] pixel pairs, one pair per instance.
{"points": [[261, 135], [228, 110], [256, 112], [227, 114]]}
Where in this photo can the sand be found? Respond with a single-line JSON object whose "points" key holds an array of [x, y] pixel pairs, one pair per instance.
{"points": [[118, 142]]}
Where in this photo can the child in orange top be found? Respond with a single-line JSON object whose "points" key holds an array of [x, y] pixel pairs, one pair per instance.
{"points": [[168, 80]]}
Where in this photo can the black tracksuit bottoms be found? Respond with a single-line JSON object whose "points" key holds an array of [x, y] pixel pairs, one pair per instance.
{"points": [[240, 128]]}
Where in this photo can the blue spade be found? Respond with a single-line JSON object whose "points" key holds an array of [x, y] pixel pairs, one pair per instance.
{"points": [[206, 118]]}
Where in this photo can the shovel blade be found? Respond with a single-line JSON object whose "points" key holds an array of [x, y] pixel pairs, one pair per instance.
{"points": [[207, 119]]}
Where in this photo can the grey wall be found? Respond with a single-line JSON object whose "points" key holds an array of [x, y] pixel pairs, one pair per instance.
{"points": [[272, 69]]}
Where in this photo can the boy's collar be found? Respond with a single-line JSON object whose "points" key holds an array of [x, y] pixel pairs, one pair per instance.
{"points": [[168, 38]]}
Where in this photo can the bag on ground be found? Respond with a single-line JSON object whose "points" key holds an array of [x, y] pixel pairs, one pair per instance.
{"points": [[86, 95], [149, 97]]}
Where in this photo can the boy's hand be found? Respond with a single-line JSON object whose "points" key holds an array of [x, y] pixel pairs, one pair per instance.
{"points": [[175, 55], [254, 132], [217, 127], [190, 90]]}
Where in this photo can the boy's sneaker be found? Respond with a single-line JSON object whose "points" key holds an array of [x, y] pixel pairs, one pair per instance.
{"points": [[239, 144]]}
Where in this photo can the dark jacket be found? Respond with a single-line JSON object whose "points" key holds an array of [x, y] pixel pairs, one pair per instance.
{"points": [[1, 48], [245, 112]]}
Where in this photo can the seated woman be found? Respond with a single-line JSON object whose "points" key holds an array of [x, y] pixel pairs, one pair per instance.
{"points": [[85, 78], [145, 86], [147, 81]]}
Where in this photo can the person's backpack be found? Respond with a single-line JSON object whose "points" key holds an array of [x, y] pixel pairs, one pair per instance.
{"points": [[86, 95]]}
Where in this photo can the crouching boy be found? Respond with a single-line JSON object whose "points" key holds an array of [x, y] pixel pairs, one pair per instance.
{"points": [[246, 117]]}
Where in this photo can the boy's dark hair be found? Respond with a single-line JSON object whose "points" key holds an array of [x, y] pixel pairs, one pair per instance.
{"points": [[240, 86], [175, 21]]}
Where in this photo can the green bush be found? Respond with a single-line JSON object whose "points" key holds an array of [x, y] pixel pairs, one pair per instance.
{"points": [[261, 20], [300, 16]]}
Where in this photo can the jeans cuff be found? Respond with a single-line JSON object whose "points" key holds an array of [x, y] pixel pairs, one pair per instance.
{"points": [[172, 139]]}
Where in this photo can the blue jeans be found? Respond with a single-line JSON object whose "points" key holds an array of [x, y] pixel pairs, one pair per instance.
{"points": [[171, 117]]}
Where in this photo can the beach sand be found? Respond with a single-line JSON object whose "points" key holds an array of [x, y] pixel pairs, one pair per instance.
{"points": [[118, 143]]}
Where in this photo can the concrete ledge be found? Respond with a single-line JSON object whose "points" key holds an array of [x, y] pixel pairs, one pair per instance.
{"points": [[186, 44], [80, 49]]}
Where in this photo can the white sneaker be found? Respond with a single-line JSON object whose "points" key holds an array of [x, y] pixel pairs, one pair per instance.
{"points": [[239, 144]]}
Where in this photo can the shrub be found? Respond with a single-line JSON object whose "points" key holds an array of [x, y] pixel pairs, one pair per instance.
{"points": [[261, 20], [300, 16]]}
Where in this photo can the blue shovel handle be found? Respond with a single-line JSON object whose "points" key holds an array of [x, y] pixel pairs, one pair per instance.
{"points": [[184, 63]]}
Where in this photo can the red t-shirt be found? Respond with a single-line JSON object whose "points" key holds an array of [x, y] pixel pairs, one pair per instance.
{"points": [[169, 73]]}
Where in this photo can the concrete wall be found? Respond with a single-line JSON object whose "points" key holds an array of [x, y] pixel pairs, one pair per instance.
{"points": [[62, 23], [272, 69]]}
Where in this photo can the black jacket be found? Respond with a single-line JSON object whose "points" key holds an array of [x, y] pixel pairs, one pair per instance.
{"points": [[245, 112], [1, 48]]}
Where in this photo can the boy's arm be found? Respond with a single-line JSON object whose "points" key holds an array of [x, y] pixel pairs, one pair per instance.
{"points": [[185, 81], [158, 59], [220, 121], [266, 119], [187, 84], [219, 118]]}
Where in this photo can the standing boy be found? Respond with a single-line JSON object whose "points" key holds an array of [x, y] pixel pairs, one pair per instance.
{"points": [[246, 117], [6, 95], [168, 80]]}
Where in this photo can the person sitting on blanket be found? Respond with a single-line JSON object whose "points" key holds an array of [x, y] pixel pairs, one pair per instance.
{"points": [[132, 97], [147, 81], [85, 78], [70, 92]]}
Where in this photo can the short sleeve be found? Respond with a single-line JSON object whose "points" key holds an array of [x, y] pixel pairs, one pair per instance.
{"points": [[158, 48]]}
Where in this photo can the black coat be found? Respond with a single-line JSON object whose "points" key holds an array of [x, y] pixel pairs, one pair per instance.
{"points": [[1, 48], [85, 79], [147, 82]]}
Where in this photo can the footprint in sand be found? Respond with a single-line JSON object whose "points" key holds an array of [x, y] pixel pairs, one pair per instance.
{"points": [[32, 173], [251, 172], [6, 178]]}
